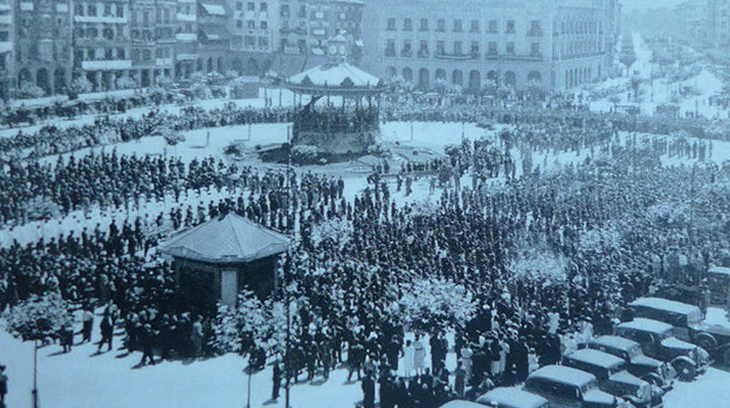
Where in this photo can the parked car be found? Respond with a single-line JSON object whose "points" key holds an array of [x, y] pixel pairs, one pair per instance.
{"points": [[512, 398], [610, 371], [648, 369], [566, 387], [657, 341], [689, 324], [718, 279], [461, 404]]}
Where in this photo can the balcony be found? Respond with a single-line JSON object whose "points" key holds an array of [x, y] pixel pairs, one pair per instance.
{"points": [[390, 52], [186, 37], [106, 65], [100, 20], [406, 53], [188, 18], [492, 54], [455, 56], [423, 54], [515, 57]]}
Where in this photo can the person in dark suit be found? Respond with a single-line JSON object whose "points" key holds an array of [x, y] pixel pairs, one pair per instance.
{"points": [[277, 380], [368, 391], [3, 385]]}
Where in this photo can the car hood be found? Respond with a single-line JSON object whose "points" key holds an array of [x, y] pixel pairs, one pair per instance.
{"points": [[677, 344], [626, 379], [711, 328], [643, 360], [598, 398]]}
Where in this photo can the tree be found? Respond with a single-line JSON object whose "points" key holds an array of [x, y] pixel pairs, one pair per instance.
{"points": [[39, 317], [78, 86], [238, 329], [28, 90], [126, 83], [428, 304]]}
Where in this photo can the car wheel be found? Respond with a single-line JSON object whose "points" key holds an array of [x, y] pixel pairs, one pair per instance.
{"points": [[685, 370], [726, 357], [654, 379], [706, 341]]}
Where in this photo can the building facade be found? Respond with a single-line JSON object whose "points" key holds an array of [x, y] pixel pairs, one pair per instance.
{"points": [[557, 44], [42, 44], [117, 44], [718, 22], [7, 46], [152, 27]]}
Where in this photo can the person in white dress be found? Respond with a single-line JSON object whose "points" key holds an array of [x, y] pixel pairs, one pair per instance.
{"points": [[466, 360], [419, 356], [408, 358]]}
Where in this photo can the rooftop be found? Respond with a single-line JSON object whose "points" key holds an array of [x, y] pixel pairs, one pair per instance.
{"points": [[231, 239], [649, 325], [564, 375], [665, 304]]}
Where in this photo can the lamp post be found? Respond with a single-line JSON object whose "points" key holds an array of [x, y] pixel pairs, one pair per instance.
{"points": [[34, 393], [248, 397]]}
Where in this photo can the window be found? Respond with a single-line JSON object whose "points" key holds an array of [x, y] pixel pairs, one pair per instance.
{"points": [[407, 24], [91, 53], [251, 24], [406, 51], [440, 47], [120, 11], [474, 26], [457, 47], [264, 25], [457, 26], [285, 10], [239, 24], [535, 49], [147, 55], [107, 9], [510, 48], [92, 10], [492, 50], [424, 24], [390, 49], [423, 49], [492, 26], [264, 7], [251, 6], [391, 24], [239, 6], [535, 30], [441, 25], [79, 10], [475, 48], [510, 29], [108, 54], [121, 54]]}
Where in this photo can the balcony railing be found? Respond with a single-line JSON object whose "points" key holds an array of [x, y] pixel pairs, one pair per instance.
{"points": [[423, 53], [455, 56], [406, 52]]}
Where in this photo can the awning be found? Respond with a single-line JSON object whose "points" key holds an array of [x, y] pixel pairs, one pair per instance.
{"points": [[214, 32], [214, 9]]}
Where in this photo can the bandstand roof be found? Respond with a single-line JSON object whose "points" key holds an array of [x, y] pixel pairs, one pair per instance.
{"points": [[339, 79], [231, 239]]}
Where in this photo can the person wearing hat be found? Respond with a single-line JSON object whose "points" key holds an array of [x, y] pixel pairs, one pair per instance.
{"points": [[3, 385]]}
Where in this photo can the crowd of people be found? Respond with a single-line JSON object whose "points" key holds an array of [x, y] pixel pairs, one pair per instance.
{"points": [[615, 221]]}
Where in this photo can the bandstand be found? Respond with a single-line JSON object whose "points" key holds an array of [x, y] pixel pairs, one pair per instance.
{"points": [[347, 121]]}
